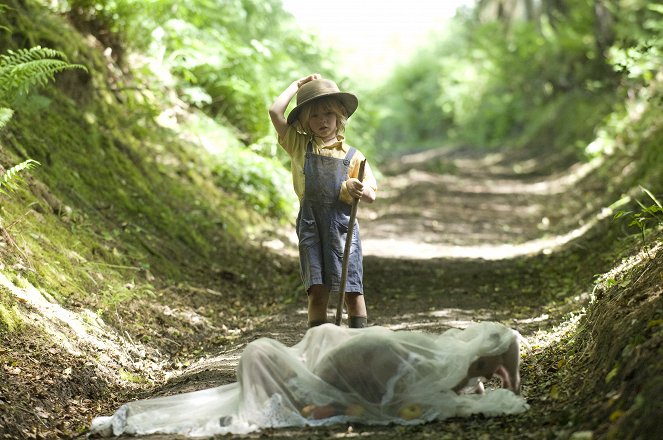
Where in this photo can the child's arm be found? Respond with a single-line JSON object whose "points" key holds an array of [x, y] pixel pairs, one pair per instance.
{"points": [[359, 190], [277, 110], [362, 190]]}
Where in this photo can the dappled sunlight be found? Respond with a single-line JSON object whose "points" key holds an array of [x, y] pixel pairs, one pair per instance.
{"points": [[551, 185], [441, 319], [81, 334], [220, 367], [455, 204], [487, 184], [538, 319], [402, 247], [547, 336], [627, 264]]}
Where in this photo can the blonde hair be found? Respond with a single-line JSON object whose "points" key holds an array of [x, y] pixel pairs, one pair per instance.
{"points": [[324, 104]]}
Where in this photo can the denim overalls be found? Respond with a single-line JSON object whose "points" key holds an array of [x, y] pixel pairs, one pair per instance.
{"points": [[322, 225]]}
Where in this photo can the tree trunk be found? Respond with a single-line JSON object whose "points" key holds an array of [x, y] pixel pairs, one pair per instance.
{"points": [[604, 27]]}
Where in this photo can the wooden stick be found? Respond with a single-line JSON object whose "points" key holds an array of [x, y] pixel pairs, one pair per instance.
{"points": [[346, 251]]}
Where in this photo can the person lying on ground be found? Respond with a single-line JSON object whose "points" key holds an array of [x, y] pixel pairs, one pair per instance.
{"points": [[336, 375]]}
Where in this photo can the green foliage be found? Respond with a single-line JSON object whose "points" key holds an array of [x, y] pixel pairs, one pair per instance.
{"points": [[2, 10], [411, 115], [10, 179], [116, 24], [649, 216], [640, 52], [21, 69], [24, 68], [485, 83], [116, 295], [636, 127], [262, 182], [5, 115], [236, 58], [229, 58], [128, 376], [10, 318], [137, 193], [361, 130]]}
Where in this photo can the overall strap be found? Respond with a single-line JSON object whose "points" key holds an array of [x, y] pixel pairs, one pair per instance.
{"points": [[309, 146], [348, 156]]}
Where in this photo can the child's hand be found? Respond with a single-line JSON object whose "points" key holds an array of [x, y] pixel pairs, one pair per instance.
{"points": [[309, 78], [355, 188]]}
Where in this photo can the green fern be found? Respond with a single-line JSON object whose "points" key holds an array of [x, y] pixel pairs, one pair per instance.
{"points": [[5, 116], [21, 69], [10, 179], [2, 11]]}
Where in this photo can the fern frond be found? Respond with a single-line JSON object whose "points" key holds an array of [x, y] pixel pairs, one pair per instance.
{"points": [[19, 78], [13, 58], [21, 69], [5, 115], [10, 178], [2, 11]]}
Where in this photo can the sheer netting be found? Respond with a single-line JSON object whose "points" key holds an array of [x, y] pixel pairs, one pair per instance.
{"points": [[335, 374]]}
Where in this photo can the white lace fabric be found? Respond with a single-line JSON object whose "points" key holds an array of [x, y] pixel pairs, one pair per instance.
{"points": [[335, 374]]}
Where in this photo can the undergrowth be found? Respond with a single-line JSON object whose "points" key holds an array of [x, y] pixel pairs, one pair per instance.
{"points": [[618, 364], [134, 204]]}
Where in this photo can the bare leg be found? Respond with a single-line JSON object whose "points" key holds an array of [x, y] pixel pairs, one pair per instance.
{"points": [[318, 298], [356, 308]]}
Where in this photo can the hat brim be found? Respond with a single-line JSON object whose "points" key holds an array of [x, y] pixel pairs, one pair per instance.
{"points": [[349, 101]]}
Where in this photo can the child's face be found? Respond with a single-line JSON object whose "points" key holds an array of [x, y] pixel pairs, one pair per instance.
{"points": [[323, 122]]}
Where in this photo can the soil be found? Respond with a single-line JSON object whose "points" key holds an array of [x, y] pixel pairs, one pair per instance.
{"points": [[454, 237]]}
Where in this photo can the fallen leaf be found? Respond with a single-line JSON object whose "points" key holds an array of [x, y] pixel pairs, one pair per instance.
{"points": [[616, 415], [554, 392], [42, 413]]}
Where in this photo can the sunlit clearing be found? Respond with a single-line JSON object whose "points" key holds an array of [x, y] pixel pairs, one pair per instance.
{"points": [[81, 334]]}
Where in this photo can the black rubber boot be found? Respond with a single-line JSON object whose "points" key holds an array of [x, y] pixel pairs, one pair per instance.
{"points": [[358, 321], [316, 323]]}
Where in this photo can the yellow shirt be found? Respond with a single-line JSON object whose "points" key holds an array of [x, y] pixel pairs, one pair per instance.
{"points": [[294, 143]]}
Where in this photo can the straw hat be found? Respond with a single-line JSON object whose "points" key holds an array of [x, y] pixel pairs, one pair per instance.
{"points": [[318, 88]]}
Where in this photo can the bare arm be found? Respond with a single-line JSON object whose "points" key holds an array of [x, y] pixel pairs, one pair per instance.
{"points": [[365, 191], [277, 110], [505, 366], [359, 190]]}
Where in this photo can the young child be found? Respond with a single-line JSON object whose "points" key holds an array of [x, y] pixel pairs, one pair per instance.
{"points": [[324, 174]]}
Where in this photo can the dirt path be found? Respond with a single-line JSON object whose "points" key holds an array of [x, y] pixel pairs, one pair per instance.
{"points": [[455, 238]]}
